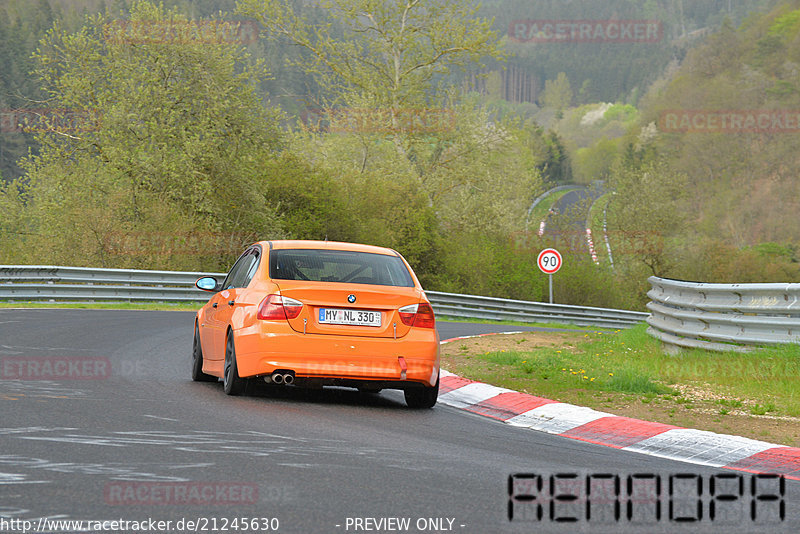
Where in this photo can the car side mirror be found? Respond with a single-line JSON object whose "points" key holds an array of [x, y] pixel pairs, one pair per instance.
{"points": [[207, 283]]}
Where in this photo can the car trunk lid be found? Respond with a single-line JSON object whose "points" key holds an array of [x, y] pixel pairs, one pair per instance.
{"points": [[327, 308]]}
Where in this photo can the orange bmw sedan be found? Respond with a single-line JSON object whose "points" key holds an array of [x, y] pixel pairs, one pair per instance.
{"points": [[319, 313]]}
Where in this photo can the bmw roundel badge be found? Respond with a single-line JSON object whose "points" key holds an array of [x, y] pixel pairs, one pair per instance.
{"points": [[351, 299]]}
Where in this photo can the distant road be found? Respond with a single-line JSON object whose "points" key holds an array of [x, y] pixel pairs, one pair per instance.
{"points": [[574, 203]]}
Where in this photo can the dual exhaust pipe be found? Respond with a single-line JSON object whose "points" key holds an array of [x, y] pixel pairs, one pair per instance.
{"points": [[280, 377]]}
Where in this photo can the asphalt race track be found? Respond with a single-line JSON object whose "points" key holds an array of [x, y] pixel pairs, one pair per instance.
{"points": [[133, 438]]}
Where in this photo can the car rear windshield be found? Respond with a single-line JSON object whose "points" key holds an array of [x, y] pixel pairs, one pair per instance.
{"points": [[339, 266]]}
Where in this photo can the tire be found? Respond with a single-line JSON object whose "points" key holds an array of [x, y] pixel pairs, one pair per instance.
{"points": [[197, 360], [232, 383], [424, 397]]}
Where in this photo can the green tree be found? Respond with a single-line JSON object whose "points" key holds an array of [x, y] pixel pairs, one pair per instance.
{"points": [[22, 24], [553, 160], [557, 93], [743, 181], [383, 64], [165, 139], [648, 211], [595, 162], [415, 159], [389, 53]]}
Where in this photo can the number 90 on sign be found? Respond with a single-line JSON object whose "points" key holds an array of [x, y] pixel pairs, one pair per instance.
{"points": [[549, 261]]}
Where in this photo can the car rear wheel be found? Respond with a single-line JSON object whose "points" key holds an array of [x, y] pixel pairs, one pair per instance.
{"points": [[232, 384], [424, 397], [197, 360]]}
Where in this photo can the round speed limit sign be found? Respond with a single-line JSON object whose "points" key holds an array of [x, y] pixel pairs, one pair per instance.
{"points": [[549, 261]]}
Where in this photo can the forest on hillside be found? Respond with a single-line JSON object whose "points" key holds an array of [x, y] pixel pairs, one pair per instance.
{"points": [[743, 189], [706, 165], [172, 153], [606, 72]]}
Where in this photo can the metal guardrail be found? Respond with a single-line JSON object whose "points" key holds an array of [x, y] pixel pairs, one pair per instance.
{"points": [[47, 282], [41, 282], [474, 307], [723, 317]]}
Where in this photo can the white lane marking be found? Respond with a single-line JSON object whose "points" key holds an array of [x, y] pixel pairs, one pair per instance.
{"points": [[248, 443], [60, 349], [47, 389], [77, 439], [162, 418], [115, 471], [10, 511], [470, 394], [557, 417], [18, 478], [700, 446], [29, 429]]}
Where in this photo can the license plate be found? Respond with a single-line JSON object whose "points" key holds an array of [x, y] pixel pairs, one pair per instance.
{"points": [[349, 317]]}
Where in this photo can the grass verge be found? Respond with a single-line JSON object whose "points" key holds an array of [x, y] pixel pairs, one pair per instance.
{"points": [[627, 373]]}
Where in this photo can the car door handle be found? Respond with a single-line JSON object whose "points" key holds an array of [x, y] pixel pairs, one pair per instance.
{"points": [[231, 302], [214, 305]]}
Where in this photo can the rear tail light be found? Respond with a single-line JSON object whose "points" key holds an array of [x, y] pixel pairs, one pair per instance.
{"points": [[425, 318], [419, 315], [279, 308], [408, 313]]}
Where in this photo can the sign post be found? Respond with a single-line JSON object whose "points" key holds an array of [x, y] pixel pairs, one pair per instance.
{"points": [[549, 262]]}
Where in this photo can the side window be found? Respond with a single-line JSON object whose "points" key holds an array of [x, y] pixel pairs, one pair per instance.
{"points": [[250, 272], [230, 280], [243, 270]]}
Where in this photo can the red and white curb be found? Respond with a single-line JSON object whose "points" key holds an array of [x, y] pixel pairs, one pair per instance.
{"points": [[585, 424], [592, 250]]}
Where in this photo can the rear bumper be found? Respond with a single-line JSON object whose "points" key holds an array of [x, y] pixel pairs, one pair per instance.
{"points": [[266, 347]]}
